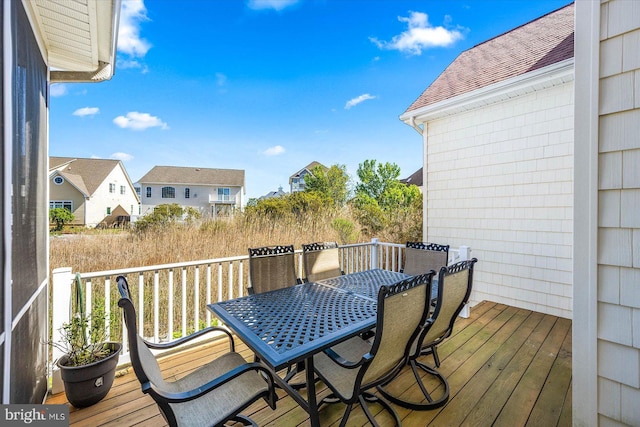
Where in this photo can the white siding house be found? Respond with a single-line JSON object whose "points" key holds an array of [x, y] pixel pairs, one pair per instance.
{"points": [[497, 129], [214, 192], [296, 181], [606, 326], [92, 189]]}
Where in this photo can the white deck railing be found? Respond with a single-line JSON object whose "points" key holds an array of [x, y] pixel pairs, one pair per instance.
{"points": [[171, 299]]}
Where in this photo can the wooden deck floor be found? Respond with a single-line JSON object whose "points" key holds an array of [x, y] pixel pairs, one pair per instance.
{"points": [[506, 367]]}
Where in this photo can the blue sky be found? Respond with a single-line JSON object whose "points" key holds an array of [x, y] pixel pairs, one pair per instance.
{"points": [[269, 86]]}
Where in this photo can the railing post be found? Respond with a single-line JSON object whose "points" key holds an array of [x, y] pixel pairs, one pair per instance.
{"points": [[465, 254], [374, 253], [62, 279]]}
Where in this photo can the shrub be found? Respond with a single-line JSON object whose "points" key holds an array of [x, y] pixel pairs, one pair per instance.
{"points": [[60, 216]]}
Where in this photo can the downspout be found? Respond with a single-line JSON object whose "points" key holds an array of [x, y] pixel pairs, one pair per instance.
{"points": [[422, 131]]}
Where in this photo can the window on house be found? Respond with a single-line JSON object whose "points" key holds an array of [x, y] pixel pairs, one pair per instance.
{"points": [[187, 193], [148, 191], [67, 204], [112, 188], [223, 194], [138, 190], [122, 187], [168, 193], [108, 211]]}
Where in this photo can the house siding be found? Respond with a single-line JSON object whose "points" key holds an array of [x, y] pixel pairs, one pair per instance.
{"points": [[66, 191], [201, 197], [500, 179], [618, 309], [103, 199]]}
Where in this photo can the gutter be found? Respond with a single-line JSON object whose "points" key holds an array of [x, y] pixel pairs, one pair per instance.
{"points": [[552, 75], [106, 69]]}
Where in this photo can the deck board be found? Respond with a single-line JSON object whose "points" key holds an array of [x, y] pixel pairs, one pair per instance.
{"points": [[505, 366]]}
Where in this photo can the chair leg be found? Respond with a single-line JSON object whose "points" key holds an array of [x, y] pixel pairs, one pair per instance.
{"points": [[370, 397], [244, 420], [431, 402], [346, 414]]}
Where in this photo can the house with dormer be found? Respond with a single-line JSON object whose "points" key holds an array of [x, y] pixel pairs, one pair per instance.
{"points": [[214, 193], [96, 191]]}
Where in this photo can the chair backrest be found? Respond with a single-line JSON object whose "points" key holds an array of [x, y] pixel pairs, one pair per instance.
{"points": [[421, 257], [402, 309], [143, 361], [454, 287], [321, 260], [271, 268]]}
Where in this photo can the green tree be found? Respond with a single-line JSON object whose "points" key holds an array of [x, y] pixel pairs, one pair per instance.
{"points": [[60, 216], [383, 202], [332, 183]]}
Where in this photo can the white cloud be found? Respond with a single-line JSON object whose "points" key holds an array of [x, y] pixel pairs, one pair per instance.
{"points": [[357, 100], [58, 89], [420, 35], [86, 111], [270, 4], [274, 151], [139, 121], [221, 79], [121, 156], [132, 14]]}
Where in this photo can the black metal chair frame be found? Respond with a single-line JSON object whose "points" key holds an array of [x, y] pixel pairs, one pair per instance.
{"points": [[309, 249], [424, 246], [164, 398], [361, 394], [271, 251], [420, 348]]}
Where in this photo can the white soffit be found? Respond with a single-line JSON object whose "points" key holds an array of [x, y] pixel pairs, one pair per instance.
{"points": [[553, 75], [78, 36]]}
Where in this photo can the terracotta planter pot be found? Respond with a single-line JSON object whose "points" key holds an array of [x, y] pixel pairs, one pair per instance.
{"points": [[88, 384]]}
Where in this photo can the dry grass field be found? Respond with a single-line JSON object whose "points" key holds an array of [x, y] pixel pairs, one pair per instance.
{"points": [[97, 250]]}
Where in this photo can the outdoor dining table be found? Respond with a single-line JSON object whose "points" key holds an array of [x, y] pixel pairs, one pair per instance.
{"points": [[291, 324]]}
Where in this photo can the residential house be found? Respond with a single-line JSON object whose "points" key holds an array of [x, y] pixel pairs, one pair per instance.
{"points": [[414, 179], [214, 192], [41, 45], [574, 234], [272, 194], [96, 191], [497, 130], [296, 181]]}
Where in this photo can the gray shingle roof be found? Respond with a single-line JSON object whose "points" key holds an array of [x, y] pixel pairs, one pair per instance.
{"points": [[537, 44], [85, 174], [194, 176]]}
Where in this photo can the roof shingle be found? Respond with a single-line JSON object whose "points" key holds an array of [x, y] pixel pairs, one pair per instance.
{"points": [[537, 44]]}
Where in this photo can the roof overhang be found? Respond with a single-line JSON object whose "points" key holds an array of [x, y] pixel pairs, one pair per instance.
{"points": [[78, 38], [553, 75]]}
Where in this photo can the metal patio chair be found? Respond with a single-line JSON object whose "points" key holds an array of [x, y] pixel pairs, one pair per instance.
{"points": [[209, 396], [271, 268], [321, 260], [353, 367], [421, 257], [454, 287]]}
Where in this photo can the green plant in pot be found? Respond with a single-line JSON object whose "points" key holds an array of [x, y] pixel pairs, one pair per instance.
{"points": [[88, 366]]}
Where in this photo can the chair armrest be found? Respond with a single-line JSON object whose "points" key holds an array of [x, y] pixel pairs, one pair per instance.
{"points": [[339, 360], [180, 341], [186, 396]]}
